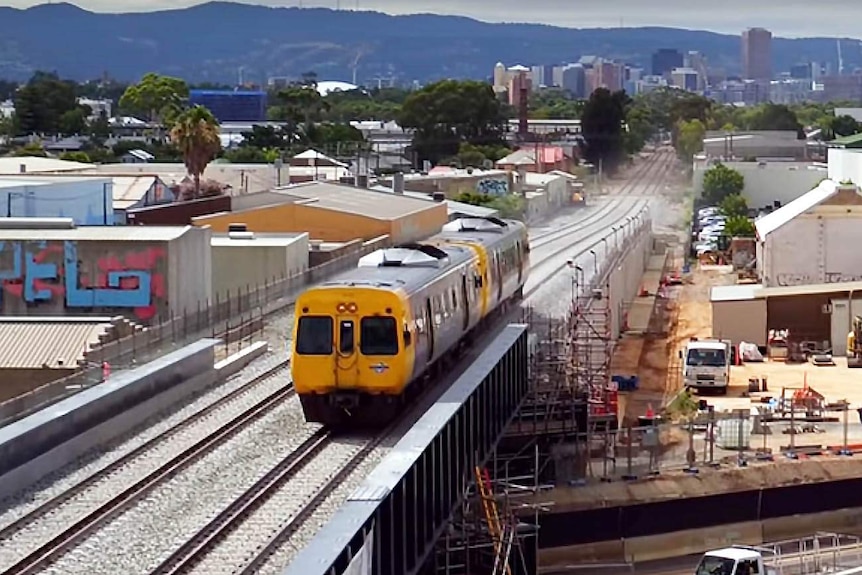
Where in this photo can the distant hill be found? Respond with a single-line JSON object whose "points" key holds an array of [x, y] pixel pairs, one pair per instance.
{"points": [[211, 42]]}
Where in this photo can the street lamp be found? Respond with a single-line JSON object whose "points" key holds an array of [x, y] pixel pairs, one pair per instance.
{"points": [[579, 282], [616, 238], [595, 263], [605, 240]]}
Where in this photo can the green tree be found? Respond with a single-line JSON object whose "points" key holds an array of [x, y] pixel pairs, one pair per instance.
{"points": [[739, 227], [555, 104], [448, 113], [158, 98], [262, 137], [195, 133], [775, 117], [602, 128], [40, 105], [844, 126], [82, 157], [689, 138], [639, 127], [719, 182], [30, 149], [734, 205]]}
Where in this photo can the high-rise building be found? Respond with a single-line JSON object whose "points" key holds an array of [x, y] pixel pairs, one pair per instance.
{"points": [[543, 76], [685, 78], [519, 80], [501, 78], [665, 60], [572, 79], [757, 54]]}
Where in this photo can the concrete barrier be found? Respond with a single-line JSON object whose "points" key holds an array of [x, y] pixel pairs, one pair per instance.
{"points": [[603, 552], [233, 364], [795, 526], [53, 437]]}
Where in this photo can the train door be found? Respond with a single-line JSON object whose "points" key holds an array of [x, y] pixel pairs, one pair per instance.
{"points": [[346, 357], [520, 259], [432, 329], [465, 302], [498, 269]]}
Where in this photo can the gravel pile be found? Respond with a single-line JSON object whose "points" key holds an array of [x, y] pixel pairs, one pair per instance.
{"points": [[174, 511], [29, 538]]}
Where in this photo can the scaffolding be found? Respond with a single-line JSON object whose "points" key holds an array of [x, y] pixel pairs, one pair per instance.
{"points": [[494, 532]]}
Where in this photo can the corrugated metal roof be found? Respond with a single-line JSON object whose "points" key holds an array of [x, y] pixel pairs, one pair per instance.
{"points": [[454, 208], [129, 190], [359, 201], [854, 141], [98, 233], [34, 343], [771, 222]]}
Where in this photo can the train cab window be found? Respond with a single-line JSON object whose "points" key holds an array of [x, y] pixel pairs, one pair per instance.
{"points": [[378, 336], [345, 337], [314, 335]]}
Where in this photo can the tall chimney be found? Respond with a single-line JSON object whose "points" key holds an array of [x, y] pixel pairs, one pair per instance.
{"points": [[523, 112], [398, 183]]}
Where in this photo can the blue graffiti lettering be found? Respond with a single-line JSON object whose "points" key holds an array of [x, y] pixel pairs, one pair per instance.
{"points": [[492, 187], [33, 272], [15, 272], [112, 296]]}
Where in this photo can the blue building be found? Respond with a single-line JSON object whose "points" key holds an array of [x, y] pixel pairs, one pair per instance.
{"points": [[230, 105]]}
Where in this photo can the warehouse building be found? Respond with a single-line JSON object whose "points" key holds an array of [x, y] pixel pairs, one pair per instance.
{"points": [[243, 260], [337, 213], [52, 267], [39, 350], [813, 239], [819, 313]]}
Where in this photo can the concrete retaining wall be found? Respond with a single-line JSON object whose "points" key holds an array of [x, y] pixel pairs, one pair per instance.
{"points": [[53, 437], [625, 278], [697, 541]]}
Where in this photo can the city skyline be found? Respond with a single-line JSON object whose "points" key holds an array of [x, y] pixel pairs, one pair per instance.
{"points": [[797, 18]]}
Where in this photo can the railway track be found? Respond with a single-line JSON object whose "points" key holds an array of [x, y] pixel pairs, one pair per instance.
{"points": [[266, 515], [594, 230], [124, 476], [655, 166]]}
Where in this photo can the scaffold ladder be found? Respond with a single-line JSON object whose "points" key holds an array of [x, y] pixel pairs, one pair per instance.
{"points": [[492, 516]]}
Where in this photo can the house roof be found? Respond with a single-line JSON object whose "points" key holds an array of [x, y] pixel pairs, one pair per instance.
{"points": [[39, 164], [772, 221], [89, 233], [352, 200], [129, 190], [854, 141], [38, 342], [311, 154], [141, 155]]}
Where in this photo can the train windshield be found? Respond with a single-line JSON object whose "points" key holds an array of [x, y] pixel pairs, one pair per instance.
{"points": [[314, 335], [378, 336]]}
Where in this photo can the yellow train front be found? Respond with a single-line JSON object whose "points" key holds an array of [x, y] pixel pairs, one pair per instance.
{"points": [[366, 342]]}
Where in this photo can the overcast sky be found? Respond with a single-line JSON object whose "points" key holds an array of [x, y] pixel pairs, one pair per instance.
{"points": [[791, 18]]}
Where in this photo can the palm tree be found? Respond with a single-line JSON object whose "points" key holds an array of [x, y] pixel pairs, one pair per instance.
{"points": [[196, 135]]}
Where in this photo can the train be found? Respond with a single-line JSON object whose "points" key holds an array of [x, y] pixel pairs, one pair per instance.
{"points": [[367, 341]]}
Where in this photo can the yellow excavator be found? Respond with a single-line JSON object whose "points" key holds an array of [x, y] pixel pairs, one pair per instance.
{"points": [[854, 344]]}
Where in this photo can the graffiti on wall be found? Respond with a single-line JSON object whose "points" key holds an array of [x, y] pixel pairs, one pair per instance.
{"points": [[50, 272], [492, 187], [785, 280]]}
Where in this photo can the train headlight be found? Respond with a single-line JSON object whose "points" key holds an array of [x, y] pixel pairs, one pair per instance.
{"points": [[351, 307], [341, 308]]}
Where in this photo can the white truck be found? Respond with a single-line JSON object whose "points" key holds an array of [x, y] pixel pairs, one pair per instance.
{"points": [[822, 553], [706, 364]]}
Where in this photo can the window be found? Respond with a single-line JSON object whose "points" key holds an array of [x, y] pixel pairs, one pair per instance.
{"points": [[378, 336], [706, 358], [713, 565], [314, 335], [345, 337]]}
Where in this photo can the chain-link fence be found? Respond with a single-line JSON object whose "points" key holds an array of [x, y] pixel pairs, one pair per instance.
{"points": [[710, 440], [237, 319]]}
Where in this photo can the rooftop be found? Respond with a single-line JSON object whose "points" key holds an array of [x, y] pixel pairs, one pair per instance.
{"points": [[774, 220], [46, 342], [740, 292], [854, 141], [744, 292], [12, 166], [359, 201], [259, 240], [14, 230]]}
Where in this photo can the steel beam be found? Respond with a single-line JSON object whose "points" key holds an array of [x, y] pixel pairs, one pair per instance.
{"points": [[407, 501]]}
